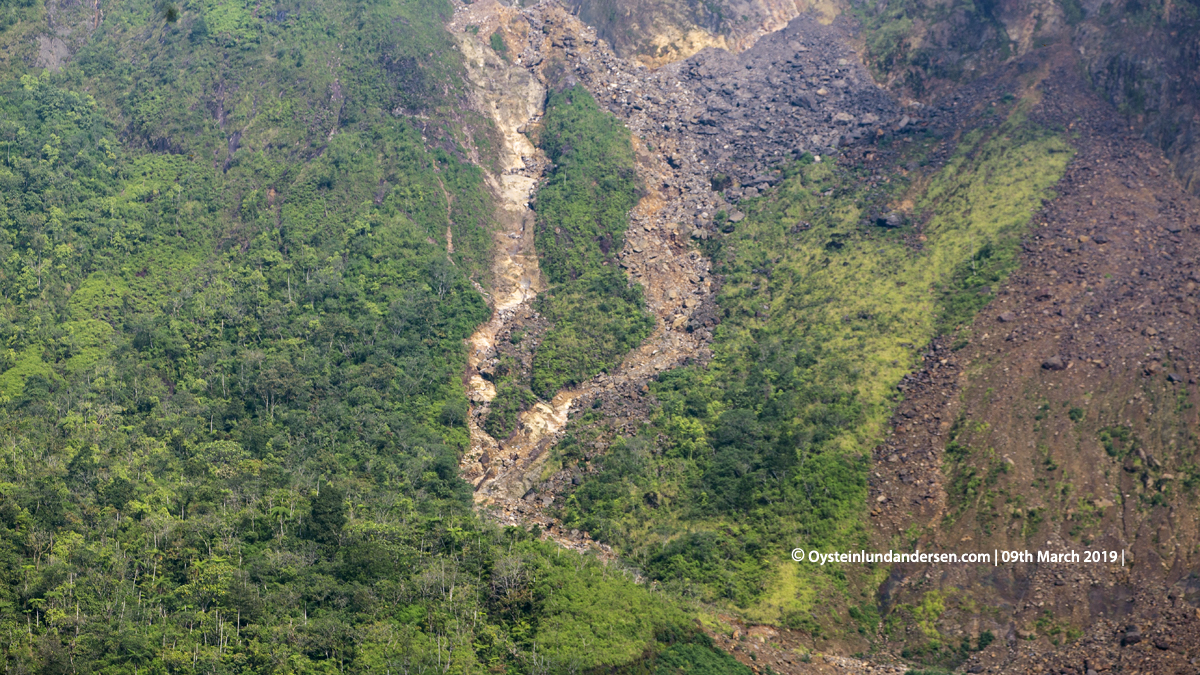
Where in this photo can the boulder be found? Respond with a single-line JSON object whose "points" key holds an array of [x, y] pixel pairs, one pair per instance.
{"points": [[891, 219], [1054, 363]]}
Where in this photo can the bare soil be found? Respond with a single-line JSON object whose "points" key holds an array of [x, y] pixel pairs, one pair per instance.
{"points": [[1099, 322]]}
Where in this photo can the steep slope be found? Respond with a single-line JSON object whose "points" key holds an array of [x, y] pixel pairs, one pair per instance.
{"points": [[653, 250], [276, 278], [938, 204], [656, 33], [1075, 425], [1143, 58], [242, 248]]}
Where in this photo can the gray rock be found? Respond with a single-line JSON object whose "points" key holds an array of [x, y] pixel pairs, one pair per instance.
{"points": [[736, 217], [1009, 317], [1054, 363], [804, 99]]}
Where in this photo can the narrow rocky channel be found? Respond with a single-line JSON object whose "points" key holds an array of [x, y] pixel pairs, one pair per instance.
{"points": [[798, 90], [656, 253]]}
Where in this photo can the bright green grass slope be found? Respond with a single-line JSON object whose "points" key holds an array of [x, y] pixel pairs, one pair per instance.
{"points": [[231, 347], [769, 447]]}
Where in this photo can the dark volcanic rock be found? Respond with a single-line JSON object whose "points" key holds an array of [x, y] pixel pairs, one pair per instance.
{"points": [[1054, 363], [796, 90]]}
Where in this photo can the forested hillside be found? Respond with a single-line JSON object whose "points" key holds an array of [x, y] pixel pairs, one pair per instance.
{"points": [[677, 292], [241, 248]]}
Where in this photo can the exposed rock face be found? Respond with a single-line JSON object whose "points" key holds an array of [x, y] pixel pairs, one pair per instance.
{"points": [[657, 32], [725, 121], [1143, 58], [1108, 281], [553, 48], [1153, 77]]}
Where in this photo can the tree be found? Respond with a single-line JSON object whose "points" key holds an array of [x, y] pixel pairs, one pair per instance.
{"points": [[328, 516]]}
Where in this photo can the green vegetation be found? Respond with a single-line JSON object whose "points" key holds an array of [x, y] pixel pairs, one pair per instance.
{"points": [[498, 45], [583, 209], [596, 313], [231, 347], [1073, 11], [1059, 632], [889, 29], [13, 11], [1118, 441], [933, 648], [768, 447], [511, 399], [597, 319]]}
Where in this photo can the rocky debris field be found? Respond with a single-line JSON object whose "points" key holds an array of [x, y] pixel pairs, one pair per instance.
{"points": [[767, 649], [716, 120], [906, 481], [1100, 320], [726, 121], [798, 90], [1104, 304], [1166, 644]]}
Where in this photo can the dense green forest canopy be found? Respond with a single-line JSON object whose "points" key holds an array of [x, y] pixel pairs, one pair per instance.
{"points": [[231, 347]]}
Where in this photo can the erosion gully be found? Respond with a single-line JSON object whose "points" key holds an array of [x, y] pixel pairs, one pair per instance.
{"points": [[656, 254]]}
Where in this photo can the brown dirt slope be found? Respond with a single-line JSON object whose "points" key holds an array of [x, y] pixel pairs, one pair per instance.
{"points": [[1067, 422]]}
